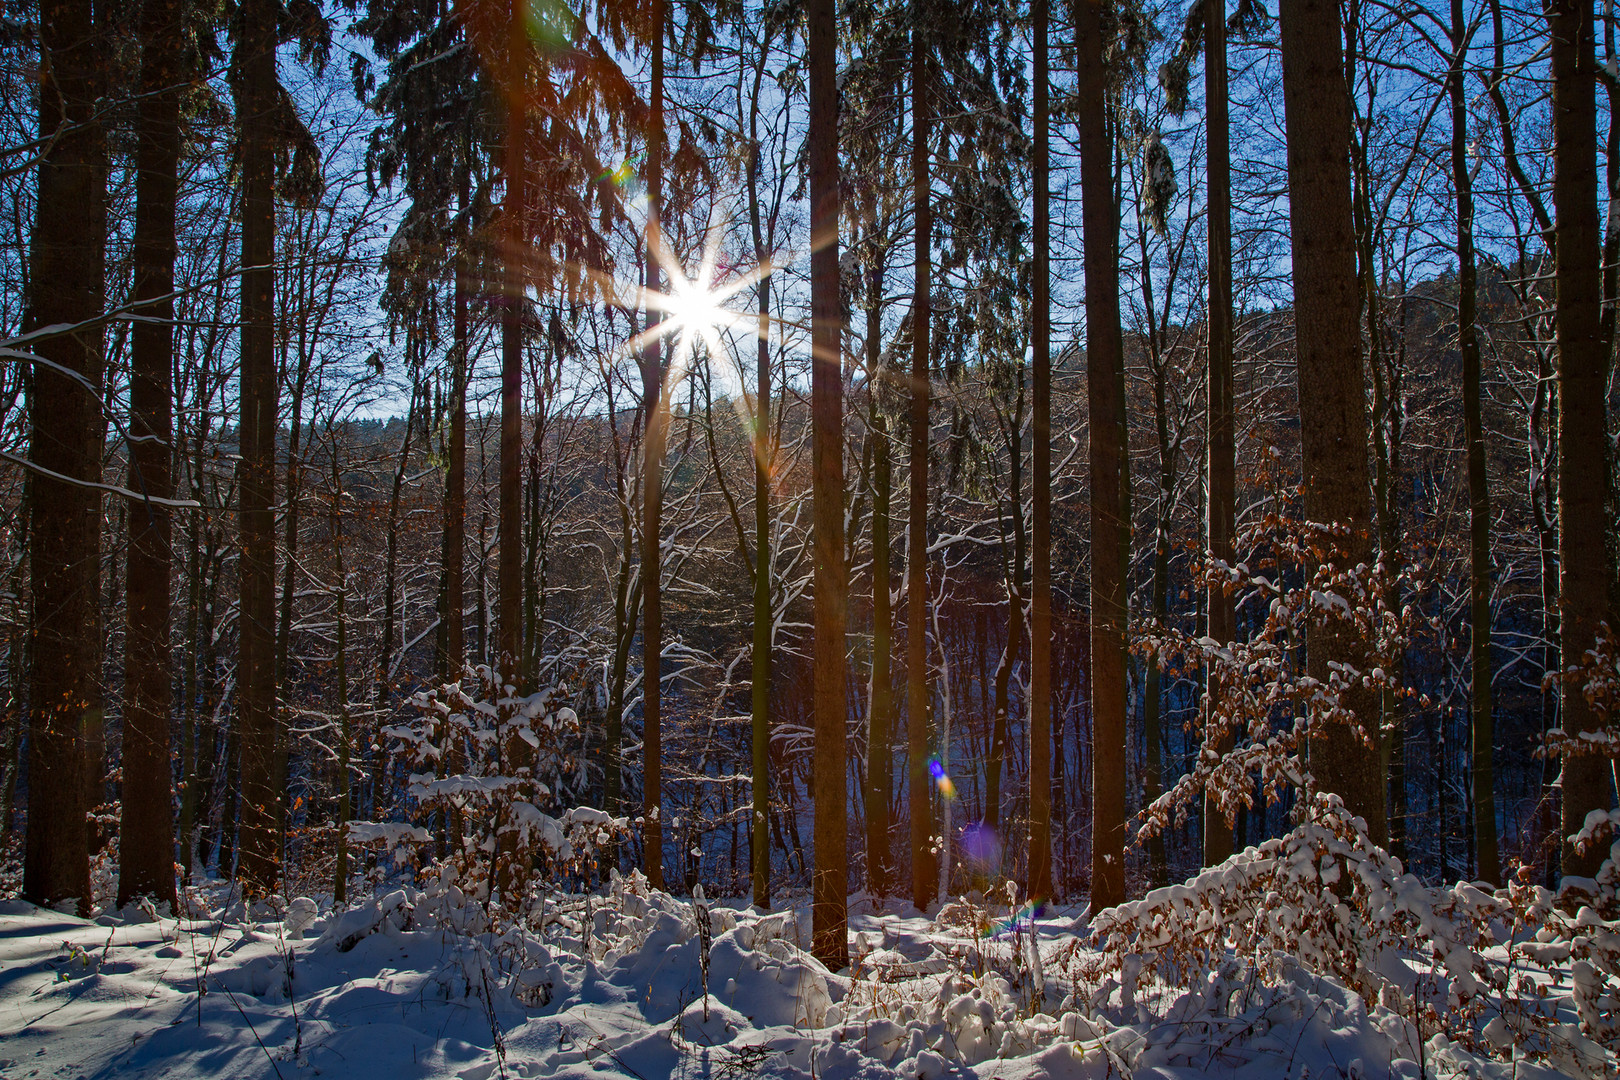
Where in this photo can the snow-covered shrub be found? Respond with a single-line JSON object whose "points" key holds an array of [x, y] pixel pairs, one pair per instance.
{"points": [[1261, 707], [1472, 964], [1596, 676], [495, 775]]}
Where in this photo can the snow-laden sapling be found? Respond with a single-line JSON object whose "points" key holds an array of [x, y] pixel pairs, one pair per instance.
{"points": [[1260, 706], [498, 773], [705, 934]]}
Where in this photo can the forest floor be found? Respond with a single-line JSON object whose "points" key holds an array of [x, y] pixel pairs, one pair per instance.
{"points": [[614, 987]]}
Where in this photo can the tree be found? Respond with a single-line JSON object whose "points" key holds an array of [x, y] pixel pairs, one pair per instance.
{"points": [[917, 692], [146, 832], [1479, 498], [1327, 334], [1110, 523], [880, 870], [64, 420], [764, 452], [1219, 419], [1040, 644], [514, 217], [255, 87], [654, 394], [1582, 439], [829, 920]]}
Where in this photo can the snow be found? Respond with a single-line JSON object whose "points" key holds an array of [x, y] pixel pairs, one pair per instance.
{"points": [[405, 985]]}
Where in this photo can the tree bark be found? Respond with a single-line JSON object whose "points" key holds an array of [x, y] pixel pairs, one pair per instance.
{"points": [[1479, 502], [258, 847], [67, 266], [652, 485], [455, 480], [146, 831], [829, 921], [1219, 409], [1015, 618], [759, 832], [1109, 527], [340, 874], [509, 570], [1333, 413], [1040, 640], [923, 873], [880, 733], [1582, 439]]}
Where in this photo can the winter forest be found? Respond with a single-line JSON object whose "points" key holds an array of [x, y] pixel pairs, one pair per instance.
{"points": [[923, 538]]}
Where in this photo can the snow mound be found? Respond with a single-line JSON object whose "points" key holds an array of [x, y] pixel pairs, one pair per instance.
{"points": [[640, 984]]}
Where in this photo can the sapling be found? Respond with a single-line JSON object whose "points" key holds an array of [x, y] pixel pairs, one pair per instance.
{"points": [[512, 810], [705, 932]]}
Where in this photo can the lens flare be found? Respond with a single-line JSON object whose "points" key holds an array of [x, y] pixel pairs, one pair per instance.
{"points": [[626, 172], [937, 771], [694, 307], [981, 847], [1021, 920]]}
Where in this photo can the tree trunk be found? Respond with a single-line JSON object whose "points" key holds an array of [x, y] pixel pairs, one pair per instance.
{"points": [[146, 832], [340, 875], [1159, 592], [1040, 641], [829, 921], [1479, 505], [68, 257], [652, 486], [880, 735], [1219, 409], [1015, 618], [1333, 413], [917, 697], [258, 848], [760, 705], [455, 480], [292, 523], [1104, 377], [385, 654], [1582, 439], [509, 571]]}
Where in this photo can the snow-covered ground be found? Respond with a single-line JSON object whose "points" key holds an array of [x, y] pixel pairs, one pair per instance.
{"points": [[614, 986]]}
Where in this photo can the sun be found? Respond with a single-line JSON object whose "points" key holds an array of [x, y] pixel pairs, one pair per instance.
{"points": [[694, 308]]}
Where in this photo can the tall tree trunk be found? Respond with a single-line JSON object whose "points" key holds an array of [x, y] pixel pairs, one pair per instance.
{"points": [[1015, 618], [1219, 408], [759, 831], [1152, 699], [1479, 504], [1332, 405], [829, 920], [455, 480], [652, 485], [509, 571], [190, 803], [880, 734], [1104, 376], [259, 848], [385, 654], [917, 696], [292, 523], [1582, 439], [146, 832], [1040, 641], [1159, 592], [66, 288], [1606, 331], [340, 874]]}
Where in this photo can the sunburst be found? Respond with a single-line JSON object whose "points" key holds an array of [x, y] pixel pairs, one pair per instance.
{"points": [[695, 308]]}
